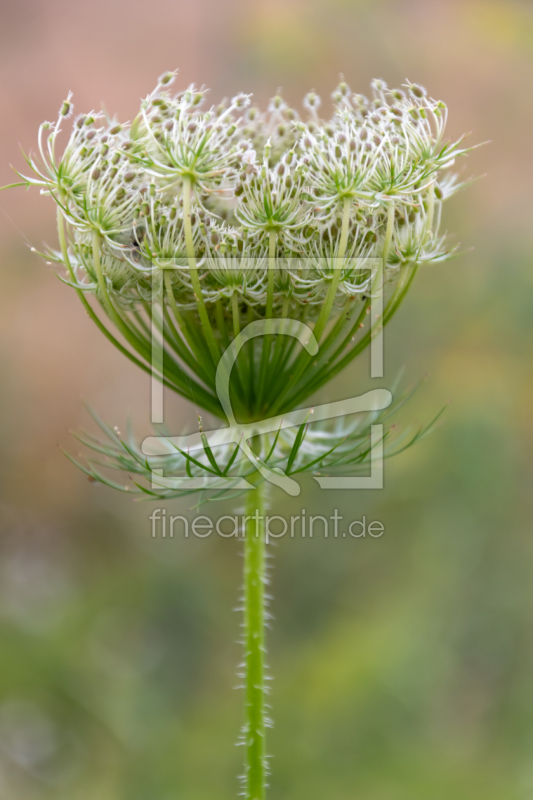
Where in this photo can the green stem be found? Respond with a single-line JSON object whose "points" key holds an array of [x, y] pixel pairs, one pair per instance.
{"points": [[251, 364], [142, 346], [324, 376], [235, 314], [241, 390], [207, 400], [200, 367], [127, 327], [265, 352], [391, 309], [324, 357], [66, 260], [281, 340], [189, 242], [302, 361], [172, 337], [254, 642], [221, 323], [323, 318], [431, 212]]}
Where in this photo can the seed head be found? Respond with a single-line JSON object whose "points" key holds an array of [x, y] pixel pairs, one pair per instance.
{"points": [[257, 184]]}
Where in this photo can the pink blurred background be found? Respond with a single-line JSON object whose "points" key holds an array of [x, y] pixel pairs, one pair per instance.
{"points": [[453, 716]]}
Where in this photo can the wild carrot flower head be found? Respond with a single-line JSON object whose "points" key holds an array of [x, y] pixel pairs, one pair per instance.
{"points": [[223, 194]]}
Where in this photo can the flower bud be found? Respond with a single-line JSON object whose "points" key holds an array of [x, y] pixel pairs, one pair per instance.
{"points": [[343, 88], [166, 78], [241, 101], [277, 103], [417, 91], [379, 85], [312, 100]]}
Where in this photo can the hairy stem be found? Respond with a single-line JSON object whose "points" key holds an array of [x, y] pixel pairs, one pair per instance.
{"points": [[254, 642]]}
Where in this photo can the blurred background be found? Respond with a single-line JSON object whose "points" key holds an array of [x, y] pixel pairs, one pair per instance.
{"points": [[403, 665]]}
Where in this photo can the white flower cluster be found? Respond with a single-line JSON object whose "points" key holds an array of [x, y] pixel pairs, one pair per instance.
{"points": [[234, 188]]}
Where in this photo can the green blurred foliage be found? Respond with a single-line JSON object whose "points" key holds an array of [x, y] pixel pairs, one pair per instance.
{"points": [[403, 665]]}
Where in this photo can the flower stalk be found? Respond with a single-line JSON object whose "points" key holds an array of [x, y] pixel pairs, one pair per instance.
{"points": [[193, 267], [254, 730]]}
